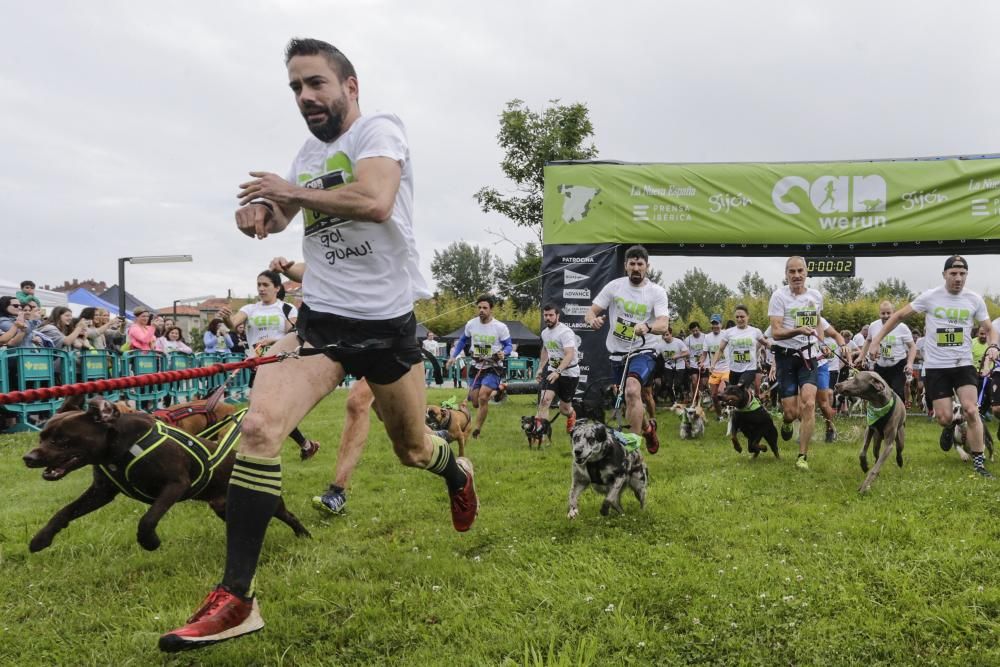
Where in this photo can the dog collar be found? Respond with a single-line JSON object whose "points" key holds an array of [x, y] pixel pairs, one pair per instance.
{"points": [[753, 405], [874, 414]]}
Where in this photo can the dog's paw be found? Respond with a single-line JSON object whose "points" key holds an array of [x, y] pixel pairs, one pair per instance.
{"points": [[149, 542], [605, 508], [40, 541], [573, 511]]}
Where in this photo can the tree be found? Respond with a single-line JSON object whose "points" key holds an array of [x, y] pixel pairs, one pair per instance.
{"points": [[844, 290], [520, 280], [655, 276], [529, 140], [697, 289], [465, 270], [894, 290], [753, 285]]}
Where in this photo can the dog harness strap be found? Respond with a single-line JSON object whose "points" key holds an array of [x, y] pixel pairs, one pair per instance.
{"points": [[751, 406], [875, 414], [630, 441], [206, 460]]}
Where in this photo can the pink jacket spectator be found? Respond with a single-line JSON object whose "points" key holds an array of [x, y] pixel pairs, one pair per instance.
{"points": [[141, 337]]}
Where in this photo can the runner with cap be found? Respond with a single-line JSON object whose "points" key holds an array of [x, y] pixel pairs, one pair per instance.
{"points": [[950, 314]]}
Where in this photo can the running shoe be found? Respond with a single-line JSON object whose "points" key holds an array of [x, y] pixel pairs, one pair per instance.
{"points": [[947, 438], [786, 431], [831, 433], [331, 502], [801, 462], [652, 440], [464, 502], [571, 422], [308, 449], [223, 615]]}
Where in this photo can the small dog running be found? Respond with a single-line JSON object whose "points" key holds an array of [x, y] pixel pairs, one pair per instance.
{"points": [[960, 433], [456, 421], [751, 419], [608, 460], [692, 420], [536, 429]]}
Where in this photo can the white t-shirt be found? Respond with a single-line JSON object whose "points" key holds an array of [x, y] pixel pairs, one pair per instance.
{"points": [[558, 342], [628, 306], [695, 345], [432, 346], [949, 320], [674, 353], [858, 340], [893, 347], [486, 340], [741, 347], [796, 310], [918, 361], [364, 270], [265, 322], [712, 343]]}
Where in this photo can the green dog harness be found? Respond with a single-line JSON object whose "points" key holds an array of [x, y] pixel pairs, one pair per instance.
{"points": [[630, 441], [874, 414], [207, 461], [753, 405]]}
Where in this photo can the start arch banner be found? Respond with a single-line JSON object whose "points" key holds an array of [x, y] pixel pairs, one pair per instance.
{"points": [[594, 210], [835, 204]]}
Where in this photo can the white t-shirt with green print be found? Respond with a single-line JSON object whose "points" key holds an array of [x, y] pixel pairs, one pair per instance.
{"points": [[627, 306], [364, 270], [893, 347], [949, 320]]}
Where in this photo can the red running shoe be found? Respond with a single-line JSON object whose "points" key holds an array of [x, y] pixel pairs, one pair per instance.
{"points": [[570, 422], [464, 502], [308, 449], [652, 441], [223, 615]]}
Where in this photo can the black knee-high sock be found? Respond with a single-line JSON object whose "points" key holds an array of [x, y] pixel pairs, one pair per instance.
{"points": [[443, 463], [297, 436], [254, 492]]}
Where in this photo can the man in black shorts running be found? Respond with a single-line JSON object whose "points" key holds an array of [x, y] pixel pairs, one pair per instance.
{"points": [[355, 191]]}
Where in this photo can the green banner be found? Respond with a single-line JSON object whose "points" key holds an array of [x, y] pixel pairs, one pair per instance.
{"points": [[768, 203]]}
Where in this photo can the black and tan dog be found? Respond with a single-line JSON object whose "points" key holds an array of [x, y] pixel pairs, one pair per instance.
{"points": [[535, 429], [609, 460], [136, 455], [456, 421], [751, 419]]}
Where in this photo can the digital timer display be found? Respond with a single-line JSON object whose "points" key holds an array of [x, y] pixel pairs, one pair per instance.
{"points": [[831, 267]]}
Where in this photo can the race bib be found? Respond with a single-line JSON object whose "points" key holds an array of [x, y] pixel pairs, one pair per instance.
{"points": [[887, 350], [741, 357], [668, 354], [482, 350], [950, 336], [806, 318], [624, 330]]}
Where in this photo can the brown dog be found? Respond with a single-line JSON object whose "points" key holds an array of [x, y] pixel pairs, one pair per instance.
{"points": [[135, 455], [196, 416], [458, 423]]}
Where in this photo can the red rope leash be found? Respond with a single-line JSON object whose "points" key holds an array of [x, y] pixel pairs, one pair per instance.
{"points": [[111, 384]]}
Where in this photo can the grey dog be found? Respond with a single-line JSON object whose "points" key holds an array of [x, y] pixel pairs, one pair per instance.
{"points": [[886, 420], [607, 460]]}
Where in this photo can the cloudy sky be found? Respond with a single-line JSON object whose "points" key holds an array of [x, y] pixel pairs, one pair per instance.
{"points": [[125, 127]]}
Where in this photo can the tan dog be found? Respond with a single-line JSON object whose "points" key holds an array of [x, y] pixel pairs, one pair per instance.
{"points": [[692, 420], [458, 423]]}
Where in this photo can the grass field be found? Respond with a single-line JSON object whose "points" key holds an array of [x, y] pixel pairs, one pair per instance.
{"points": [[734, 562]]}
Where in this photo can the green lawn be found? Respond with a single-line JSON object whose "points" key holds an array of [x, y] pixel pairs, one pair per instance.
{"points": [[733, 562]]}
